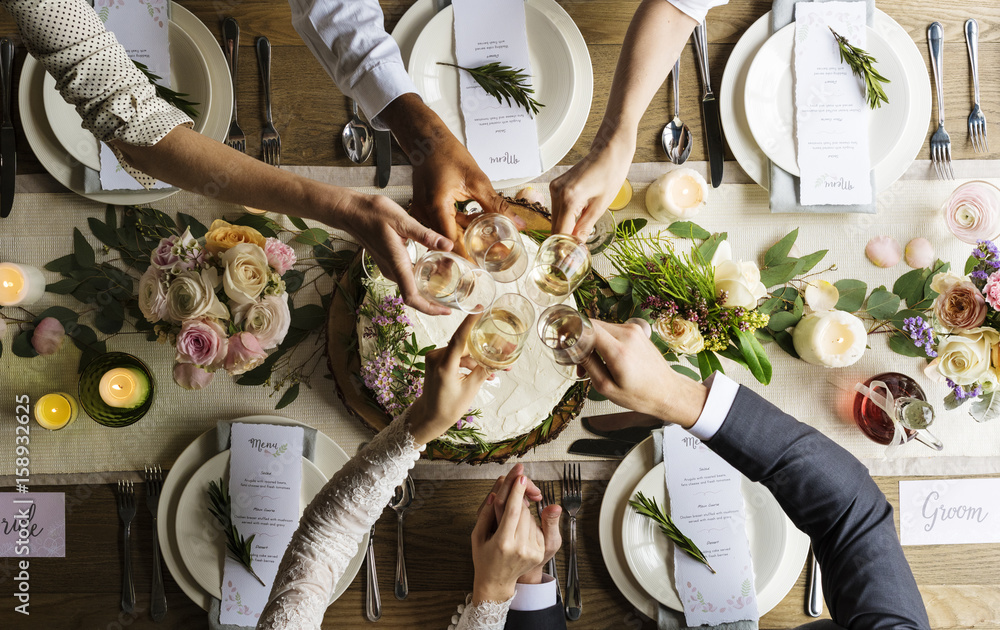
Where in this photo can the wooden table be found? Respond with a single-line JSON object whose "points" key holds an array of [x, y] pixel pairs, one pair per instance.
{"points": [[960, 584]]}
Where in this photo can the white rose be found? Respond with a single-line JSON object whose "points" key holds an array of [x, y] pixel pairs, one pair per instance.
{"points": [[152, 295], [192, 294], [246, 273], [680, 335], [740, 280], [944, 280], [267, 320], [966, 358]]}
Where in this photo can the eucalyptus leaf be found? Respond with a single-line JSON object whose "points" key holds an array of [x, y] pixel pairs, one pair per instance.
{"points": [[970, 264], [852, 294], [308, 317], [784, 340], [62, 287], [807, 262], [733, 354], [188, 222], [882, 304], [687, 229], [262, 224], [63, 264], [778, 253], [298, 223], [707, 249], [755, 356], [103, 233], [288, 397], [312, 237], [61, 313], [111, 216], [686, 371], [899, 318], [82, 250], [783, 319], [910, 286], [902, 344], [22, 345], [986, 407], [778, 274], [619, 284], [629, 227], [293, 280]]}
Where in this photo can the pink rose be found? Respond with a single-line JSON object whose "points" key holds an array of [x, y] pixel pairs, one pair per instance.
{"points": [[973, 212], [190, 376], [202, 342], [48, 336], [992, 290], [281, 257], [960, 306], [178, 253], [163, 257], [244, 354]]}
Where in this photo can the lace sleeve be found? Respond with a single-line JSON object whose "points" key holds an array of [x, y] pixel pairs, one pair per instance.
{"points": [[333, 525], [484, 616]]}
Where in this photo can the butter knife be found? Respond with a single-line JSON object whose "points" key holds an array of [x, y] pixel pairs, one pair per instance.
{"points": [[383, 157], [615, 449], [8, 148], [711, 115], [814, 590], [627, 426]]}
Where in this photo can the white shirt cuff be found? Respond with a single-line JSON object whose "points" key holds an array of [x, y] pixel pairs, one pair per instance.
{"points": [[540, 596], [380, 86], [721, 394]]}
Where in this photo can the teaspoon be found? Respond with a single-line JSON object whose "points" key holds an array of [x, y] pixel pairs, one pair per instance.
{"points": [[676, 137], [357, 137]]}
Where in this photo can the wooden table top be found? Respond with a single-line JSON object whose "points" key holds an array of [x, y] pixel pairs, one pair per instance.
{"points": [[960, 584]]}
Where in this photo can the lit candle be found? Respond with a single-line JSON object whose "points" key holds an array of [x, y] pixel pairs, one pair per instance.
{"points": [[622, 198], [253, 210], [124, 387], [55, 411], [20, 285], [678, 194], [832, 339]]}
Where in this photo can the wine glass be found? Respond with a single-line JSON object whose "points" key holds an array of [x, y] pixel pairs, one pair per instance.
{"points": [[497, 339], [375, 274], [602, 234], [494, 243], [570, 335], [452, 281], [560, 265]]}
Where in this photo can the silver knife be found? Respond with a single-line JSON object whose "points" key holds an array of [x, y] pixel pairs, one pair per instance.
{"points": [[814, 590], [383, 157], [615, 449], [711, 114], [8, 147]]}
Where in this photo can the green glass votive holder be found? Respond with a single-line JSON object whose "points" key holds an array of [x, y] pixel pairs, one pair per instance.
{"points": [[131, 372]]}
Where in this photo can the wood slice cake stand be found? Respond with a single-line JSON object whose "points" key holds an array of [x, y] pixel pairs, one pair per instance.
{"points": [[344, 360]]}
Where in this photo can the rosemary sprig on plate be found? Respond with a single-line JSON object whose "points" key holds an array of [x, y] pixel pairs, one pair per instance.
{"points": [[504, 82], [863, 66], [650, 509], [221, 505], [174, 98]]}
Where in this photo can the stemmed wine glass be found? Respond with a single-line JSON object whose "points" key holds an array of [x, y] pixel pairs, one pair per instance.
{"points": [[452, 281], [494, 243], [560, 265], [497, 339], [570, 335]]}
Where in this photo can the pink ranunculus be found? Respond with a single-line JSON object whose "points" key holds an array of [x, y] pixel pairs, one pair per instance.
{"points": [[992, 290], [48, 336], [202, 342], [281, 257], [244, 354], [190, 376], [972, 212]]}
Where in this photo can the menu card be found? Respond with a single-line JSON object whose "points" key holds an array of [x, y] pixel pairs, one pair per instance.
{"points": [[502, 138], [831, 114], [265, 475], [949, 511], [707, 506]]}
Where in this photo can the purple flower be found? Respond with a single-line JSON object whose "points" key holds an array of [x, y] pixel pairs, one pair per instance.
{"points": [[961, 393], [921, 333]]}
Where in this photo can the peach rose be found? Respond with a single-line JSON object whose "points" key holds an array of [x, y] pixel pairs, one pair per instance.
{"points": [[223, 236], [960, 306]]}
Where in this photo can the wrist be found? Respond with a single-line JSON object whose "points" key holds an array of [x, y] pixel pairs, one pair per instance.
{"points": [[531, 577], [684, 403], [491, 591], [414, 125], [616, 135]]}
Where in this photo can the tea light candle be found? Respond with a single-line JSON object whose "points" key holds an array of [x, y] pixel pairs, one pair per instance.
{"points": [[20, 285], [832, 339], [679, 194], [622, 198], [124, 387], [55, 411]]}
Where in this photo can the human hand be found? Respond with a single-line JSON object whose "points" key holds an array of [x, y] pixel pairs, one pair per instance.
{"points": [[582, 194], [549, 518]]}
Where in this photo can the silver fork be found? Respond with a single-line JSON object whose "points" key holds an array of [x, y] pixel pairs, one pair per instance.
{"points": [[940, 141], [231, 35], [158, 600], [126, 512], [270, 141], [977, 121], [572, 499], [401, 500], [549, 498]]}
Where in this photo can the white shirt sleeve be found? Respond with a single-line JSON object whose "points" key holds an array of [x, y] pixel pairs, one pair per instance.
{"points": [[348, 38], [535, 596], [721, 394], [696, 9]]}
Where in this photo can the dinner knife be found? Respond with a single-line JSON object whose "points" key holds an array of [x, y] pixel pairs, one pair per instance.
{"points": [[814, 590], [711, 115], [615, 449], [383, 157], [628, 426], [8, 148]]}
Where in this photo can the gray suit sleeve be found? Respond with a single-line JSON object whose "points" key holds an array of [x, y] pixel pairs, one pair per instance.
{"points": [[830, 496]]}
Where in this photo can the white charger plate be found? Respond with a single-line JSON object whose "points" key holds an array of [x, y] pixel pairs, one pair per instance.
{"points": [[735, 121], [202, 545], [649, 553], [562, 75], [614, 505], [329, 458]]}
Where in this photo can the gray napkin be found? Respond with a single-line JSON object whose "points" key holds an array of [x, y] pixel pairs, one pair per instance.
{"points": [[666, 618], [223, 430], [784, 187]]}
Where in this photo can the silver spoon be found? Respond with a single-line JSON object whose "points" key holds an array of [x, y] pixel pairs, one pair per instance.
{"points": [[676, 137], [357, 137]]}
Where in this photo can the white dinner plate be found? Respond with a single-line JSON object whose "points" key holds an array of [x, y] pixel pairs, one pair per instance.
{"points": [[649, 553], [329, 458], [202, 545], [770, 94], [735, 120], [562, 76], [614, 504], [70, 172]]}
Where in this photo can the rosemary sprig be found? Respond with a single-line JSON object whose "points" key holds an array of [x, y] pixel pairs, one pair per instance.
{"points": [[220, 505], [649, 508], [174, 98], [863, 66], [504, 82]]}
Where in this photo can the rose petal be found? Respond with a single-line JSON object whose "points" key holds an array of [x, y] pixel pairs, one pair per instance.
{"points": [[190, 376], [883, 251], [919, 253], [822, 296], [531, 195], [48, 336]]}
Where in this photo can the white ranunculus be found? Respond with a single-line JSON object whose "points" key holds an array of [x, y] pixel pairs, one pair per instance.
{"points": [[268, 319], [740, 280], [965, 358], [152, 295], [246, 273], [192, 294], [680, 335]]}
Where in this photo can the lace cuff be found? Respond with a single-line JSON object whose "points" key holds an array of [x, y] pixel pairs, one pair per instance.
{"points": [[482, 616]]}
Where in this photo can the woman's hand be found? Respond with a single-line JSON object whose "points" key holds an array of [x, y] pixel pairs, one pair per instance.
{"points": [[582, 194], [549, 517]]}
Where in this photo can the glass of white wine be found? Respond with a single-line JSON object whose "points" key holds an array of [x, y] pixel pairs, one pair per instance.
{"points": [[493, 241], [560, 265], [570, 335], [452, 281], [497, 339]]}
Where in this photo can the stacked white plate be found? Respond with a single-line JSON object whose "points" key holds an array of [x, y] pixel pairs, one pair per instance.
{"points": [[193, 548], [640, 558], [562, 74], [67, 150], [758, 79]]}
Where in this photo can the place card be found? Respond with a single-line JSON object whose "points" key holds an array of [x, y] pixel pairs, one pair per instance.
{"points": [[502, 138], [706, 504], [265, 476], [32, 525], [831, 114], [949, 511]]}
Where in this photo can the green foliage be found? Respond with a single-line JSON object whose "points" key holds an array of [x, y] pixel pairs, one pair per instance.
{"points": [[174, 98], [882, 304], [852, 294], [687, 229], [649, 508], [862, 65], [221, 507], [504, 83]]}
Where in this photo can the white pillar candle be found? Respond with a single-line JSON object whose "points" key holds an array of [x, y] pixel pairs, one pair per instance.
{"points": [[678, 194], [20, 285], [833, 339]]}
